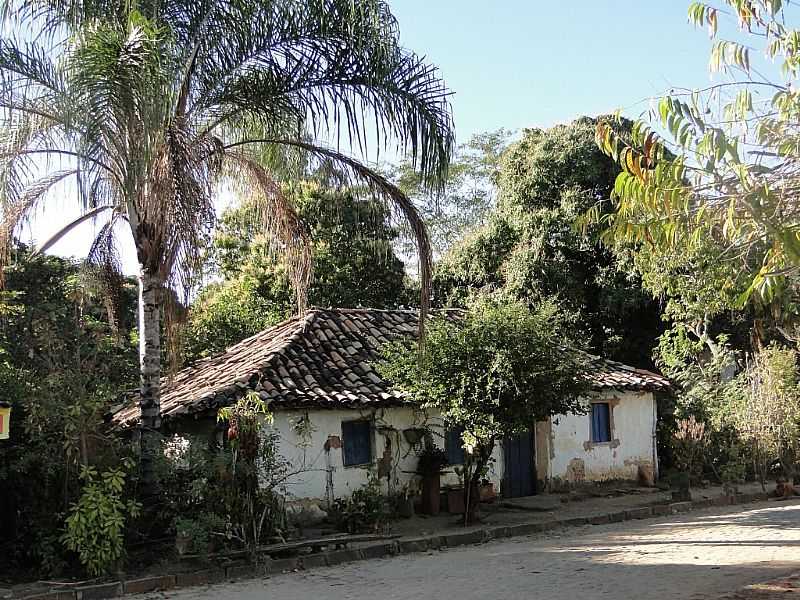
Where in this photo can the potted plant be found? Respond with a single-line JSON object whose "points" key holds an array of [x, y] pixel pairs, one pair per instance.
{"points": [[431, 462]]}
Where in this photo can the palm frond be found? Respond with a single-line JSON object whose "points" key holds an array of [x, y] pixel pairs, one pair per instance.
{"points": [[69, 227], [382, 187], [332, 66], [280, 222]]}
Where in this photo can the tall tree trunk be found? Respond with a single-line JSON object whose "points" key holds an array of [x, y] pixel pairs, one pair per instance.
{"points": [[150, 296]]}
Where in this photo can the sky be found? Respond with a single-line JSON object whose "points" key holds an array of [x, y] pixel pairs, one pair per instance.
{"points": [[522, 63], [535, 63]]}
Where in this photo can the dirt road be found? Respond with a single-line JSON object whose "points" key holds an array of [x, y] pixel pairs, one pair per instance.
{"points": [[697, 555]]}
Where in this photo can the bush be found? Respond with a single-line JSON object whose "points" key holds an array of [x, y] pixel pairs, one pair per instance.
{"points": [[232, 495], [96, 524], [364, 511], [200, 534]]}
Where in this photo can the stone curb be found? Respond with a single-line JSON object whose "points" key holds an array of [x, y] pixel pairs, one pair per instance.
{"points": [[378, 550]]}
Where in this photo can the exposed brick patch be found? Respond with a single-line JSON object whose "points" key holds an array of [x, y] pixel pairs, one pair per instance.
{"points": [[98, 592], [242, 571], [704, 503], [574, 522], [617, 517], [149, 584], [680, 507], [498, 532], [283, 565], [378, 550], [722, 501], [463, 539], [52, 595], [414, 545]]}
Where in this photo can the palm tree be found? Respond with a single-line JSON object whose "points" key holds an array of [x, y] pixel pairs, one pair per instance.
{"points": [[149, 107]]}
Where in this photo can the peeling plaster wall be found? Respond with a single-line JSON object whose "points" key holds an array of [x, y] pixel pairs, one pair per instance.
{"points": [[574, 459], [318, 452]]}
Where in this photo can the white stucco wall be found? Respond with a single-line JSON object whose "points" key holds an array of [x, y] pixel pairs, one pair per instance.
{"points": [[563, 449], [573, 458], [319, 457]]}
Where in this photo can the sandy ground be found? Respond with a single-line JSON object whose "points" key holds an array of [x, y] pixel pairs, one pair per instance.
{"points": [[695, 556]]}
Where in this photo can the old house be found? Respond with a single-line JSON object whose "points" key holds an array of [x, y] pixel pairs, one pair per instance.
{"points": [[339, 421]]}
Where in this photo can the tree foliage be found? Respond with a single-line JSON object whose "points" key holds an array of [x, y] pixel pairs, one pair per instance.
{"points": [[530, 248], [352, 248], [63, 362], [468, 196], [726, 167], [149, 108], [495, 372]]}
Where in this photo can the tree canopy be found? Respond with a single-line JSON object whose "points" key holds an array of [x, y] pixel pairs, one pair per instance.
{"points": [[726, 167], [65, 355], [149, 108], [352, 243], [496, 372], [467, 198], [530, 247]]}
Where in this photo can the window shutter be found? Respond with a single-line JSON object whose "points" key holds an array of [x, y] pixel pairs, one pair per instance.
{"points": [[601, 422], [453, 446], [356, 443]]}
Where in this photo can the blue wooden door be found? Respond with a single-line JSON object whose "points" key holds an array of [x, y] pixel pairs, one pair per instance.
{"points": [[519, 472]]}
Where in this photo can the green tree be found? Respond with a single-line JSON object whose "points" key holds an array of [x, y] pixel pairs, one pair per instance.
{"points": [[63, 362], [351, 245], [725, 171], [468, 195], [530, 247], [495, 373], [352, 250], [150, 107], [226, 313]]}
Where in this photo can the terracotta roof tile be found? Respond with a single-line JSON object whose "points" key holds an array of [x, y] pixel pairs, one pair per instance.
{"points": [[324, 358]]}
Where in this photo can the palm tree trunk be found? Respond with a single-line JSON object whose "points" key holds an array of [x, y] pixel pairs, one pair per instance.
{"points": [[150, 296]]}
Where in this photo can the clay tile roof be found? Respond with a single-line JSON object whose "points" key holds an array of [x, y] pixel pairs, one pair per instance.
{"points": [[610, 374], [293, 367]]}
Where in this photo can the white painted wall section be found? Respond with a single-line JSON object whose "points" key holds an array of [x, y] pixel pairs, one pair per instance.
{"points": [[574, 458], [314, 450]]}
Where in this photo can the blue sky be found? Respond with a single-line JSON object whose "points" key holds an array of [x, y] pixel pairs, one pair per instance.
{"points": [[522, 63], [525, 63]]}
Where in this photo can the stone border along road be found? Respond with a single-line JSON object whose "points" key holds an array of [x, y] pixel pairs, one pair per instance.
{"points": [[371, 551]]}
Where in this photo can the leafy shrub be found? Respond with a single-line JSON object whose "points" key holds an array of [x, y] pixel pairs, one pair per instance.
{"points": [[201, 532], [689, 441], [96, 524], [364, 511]]}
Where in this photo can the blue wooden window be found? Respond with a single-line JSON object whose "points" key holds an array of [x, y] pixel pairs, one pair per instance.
{"points": [[601, 422], [356, 443], [454, 446]]}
